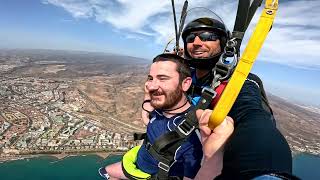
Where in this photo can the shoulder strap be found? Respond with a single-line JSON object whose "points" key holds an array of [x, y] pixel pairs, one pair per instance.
{"points": [[245, 12], [219, 91], [139, 136], [165, 147]]}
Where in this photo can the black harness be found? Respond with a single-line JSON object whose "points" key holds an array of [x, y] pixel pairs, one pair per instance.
{"points": [[165, 147]]}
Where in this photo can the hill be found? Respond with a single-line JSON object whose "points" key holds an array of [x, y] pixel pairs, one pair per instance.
{"points": [[108, 89]]}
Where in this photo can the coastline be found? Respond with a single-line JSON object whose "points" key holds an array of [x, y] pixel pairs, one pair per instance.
{"points": [[304, 165], [100, 154], [59, 156]]}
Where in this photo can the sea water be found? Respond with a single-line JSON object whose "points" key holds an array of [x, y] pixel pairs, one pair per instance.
{"points": [[86, 167], [50, 168], [307, 166]]}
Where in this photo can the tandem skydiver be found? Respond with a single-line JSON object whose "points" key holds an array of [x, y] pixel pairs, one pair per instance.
{"points": [[167, 84], [256, 146], [256, 149]]}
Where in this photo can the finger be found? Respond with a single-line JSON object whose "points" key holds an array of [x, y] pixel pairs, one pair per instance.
{"points": [[203, 137], [229, 120], [199, 113], [227, 123], [217, 140], [146, 87], [225, 127], [203, 116], [205, 130]]}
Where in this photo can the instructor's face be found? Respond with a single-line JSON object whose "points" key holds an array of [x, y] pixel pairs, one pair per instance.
{"points": [[163, 85], [203, 48]]}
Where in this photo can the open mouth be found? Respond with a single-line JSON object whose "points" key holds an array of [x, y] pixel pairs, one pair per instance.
{"points": [[198, 52], [156, 95]]}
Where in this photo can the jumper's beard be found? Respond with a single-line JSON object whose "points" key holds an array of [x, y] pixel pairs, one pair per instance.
{"points": [[165, 100]]}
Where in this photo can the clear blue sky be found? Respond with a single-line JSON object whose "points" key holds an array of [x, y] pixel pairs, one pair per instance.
{"points": [[288, 63]]}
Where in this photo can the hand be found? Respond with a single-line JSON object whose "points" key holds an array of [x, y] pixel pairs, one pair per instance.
{"points": [[180, 52], [212, 144], [147, 106], [213, 140]]}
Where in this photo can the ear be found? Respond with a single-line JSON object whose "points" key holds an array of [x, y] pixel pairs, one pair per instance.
{"points": [[186, 83]]}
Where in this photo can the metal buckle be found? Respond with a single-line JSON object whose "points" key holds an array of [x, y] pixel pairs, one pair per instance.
{"points": [[209, 90], [227, 61], [148, 145], [186, 133], [164, 166]]}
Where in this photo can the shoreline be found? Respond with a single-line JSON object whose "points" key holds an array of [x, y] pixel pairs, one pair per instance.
{"points": [[102, 155], [59, 156]]}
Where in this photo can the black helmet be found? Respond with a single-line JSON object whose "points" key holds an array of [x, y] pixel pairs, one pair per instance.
{"points": [[205, 23]]}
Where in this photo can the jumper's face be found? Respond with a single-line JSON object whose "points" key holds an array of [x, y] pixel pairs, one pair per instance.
{"points": [[163, 85]]}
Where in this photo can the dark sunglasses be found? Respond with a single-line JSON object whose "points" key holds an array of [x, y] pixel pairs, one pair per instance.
{"points": [[204, 36]]}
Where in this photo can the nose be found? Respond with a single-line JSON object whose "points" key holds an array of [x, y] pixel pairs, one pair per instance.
{"points": [[152, 85], [197, 41]]}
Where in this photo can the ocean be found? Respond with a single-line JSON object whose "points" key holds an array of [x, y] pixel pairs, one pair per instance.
{"points": [[307, 166], [86, 167], [50, 168]]}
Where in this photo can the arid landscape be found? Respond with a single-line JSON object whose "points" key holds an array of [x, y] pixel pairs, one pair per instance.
{"points": [[61, 101]]}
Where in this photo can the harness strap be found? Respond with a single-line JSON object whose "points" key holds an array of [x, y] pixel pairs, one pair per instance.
{"points": [[139, 136], [252, 10], [229, 58], [245, 63], [219, 91], [245, 13], [194, 89], [165, 147], [241, 21]]}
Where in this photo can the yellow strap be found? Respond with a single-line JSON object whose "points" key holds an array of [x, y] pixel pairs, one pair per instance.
{"points": [[244, 66]]}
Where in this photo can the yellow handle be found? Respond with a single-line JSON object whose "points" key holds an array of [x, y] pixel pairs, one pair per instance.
{"points": [[244, 66]]}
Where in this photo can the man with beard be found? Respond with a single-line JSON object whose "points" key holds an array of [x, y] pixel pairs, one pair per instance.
{"points": [[167, 83], [256, 147]]}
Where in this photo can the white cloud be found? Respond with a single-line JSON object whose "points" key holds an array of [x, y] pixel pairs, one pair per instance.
{"points": [[122, 14], [148, 18], [294, 39], [78, 9]]}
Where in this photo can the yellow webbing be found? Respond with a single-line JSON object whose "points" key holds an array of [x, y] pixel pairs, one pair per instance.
{"points": [[128, 163], [246, 61]]}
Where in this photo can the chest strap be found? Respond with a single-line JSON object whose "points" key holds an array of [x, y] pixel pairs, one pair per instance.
{"points": [[165, 147]]}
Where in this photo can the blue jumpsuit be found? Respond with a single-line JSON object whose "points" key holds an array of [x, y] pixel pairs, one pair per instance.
{"points": [[188, 156]]}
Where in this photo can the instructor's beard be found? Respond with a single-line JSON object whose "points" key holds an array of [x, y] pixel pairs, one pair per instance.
{"points": [[171, 98]]}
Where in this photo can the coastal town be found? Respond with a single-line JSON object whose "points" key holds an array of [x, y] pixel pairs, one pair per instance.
{"points": [[58, 104], [36, 118]]}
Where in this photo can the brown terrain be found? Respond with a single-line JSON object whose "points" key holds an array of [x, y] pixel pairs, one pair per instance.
{"points": [[112, 86], [300, 126]]}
